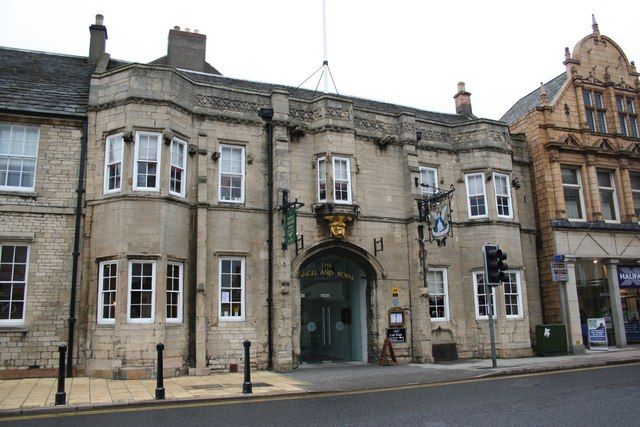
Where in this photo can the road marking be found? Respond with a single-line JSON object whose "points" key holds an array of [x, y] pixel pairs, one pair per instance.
{"points": [[308, 395]]}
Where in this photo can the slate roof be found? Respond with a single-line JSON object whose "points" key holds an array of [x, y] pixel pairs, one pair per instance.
{"points": [[39, 82], [309, 94], [530, 101]]}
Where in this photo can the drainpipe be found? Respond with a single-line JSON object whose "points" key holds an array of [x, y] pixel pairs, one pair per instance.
{"points": [[267, 115], [76, 248]]}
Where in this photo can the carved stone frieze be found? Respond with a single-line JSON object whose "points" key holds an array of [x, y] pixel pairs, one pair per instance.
{"points": [[218, 103], [474, 136], [338, 113], [305, 115], [364, 123]]}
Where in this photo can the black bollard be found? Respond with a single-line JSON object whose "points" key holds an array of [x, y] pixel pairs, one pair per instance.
{"points": [[61, 396], [160, 374], [246, 385]]}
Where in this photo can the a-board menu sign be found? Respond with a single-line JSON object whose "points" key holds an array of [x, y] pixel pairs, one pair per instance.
{"points": [[397, 335], [597, 333]]}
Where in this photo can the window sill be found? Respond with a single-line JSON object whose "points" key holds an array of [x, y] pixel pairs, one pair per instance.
{"points": [[174, 324], [17, 328], [23, 194]]}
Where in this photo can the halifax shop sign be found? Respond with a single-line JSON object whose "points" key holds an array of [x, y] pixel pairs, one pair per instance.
{"points": [[629, 276]]}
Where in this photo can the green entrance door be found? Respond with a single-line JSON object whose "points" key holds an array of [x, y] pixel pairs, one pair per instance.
{"points": [[333, 321]]}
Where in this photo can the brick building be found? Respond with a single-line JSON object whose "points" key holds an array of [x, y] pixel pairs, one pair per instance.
{"points": [[182, 235], [582, 131]]}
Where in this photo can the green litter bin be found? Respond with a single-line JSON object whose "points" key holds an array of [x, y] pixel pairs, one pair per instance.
{"points": [[551, 340]]}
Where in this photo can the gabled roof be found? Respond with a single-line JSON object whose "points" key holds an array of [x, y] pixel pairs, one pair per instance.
{"points": [[310, 94], [530, 101], [39, 82]]}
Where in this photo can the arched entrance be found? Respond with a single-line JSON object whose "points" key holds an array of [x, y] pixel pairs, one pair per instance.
{"points": [[335, 301]]}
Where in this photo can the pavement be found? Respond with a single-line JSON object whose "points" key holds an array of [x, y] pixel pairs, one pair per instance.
{"points": [[31, 396]]}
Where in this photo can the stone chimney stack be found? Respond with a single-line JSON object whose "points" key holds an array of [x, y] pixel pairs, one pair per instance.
{"points": [[98, 40], [463, 101], [187, 49]]}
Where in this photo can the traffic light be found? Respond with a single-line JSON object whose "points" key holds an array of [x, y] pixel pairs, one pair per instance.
{"points": [[494, 259]]}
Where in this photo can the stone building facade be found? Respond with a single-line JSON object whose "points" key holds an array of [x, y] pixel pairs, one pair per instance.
{"points": [[183, 231], [43, 107], [582, 131]]}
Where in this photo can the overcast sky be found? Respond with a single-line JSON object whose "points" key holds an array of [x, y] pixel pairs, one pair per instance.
{"points": [[405, 52]]}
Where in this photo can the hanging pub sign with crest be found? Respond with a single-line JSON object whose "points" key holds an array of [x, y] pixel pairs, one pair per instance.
{"points": [[435, 210]]}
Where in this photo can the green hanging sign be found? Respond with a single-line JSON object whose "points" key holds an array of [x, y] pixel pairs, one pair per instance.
{"points": [[290, 227]]}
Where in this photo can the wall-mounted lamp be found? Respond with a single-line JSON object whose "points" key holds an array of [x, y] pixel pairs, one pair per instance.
{"points": [[515, 183], [215, 155]]}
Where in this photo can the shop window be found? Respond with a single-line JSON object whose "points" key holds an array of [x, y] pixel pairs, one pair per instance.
{"points": [[231, 178], [147, 158], [142, 288], [627, 116], [608, 201], [178, 167], [232, 283], [476, 195], [438, 294], [481, 297], [501, 184], [428, 176], [18, 154], [512, 295], [572, 188], [113, 164], [107, 286], [174, 292], [14, 260], [595, 111], [635, 191]]}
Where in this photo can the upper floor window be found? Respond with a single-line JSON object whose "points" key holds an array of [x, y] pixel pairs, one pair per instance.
{"points": [[322, 179], [174, 292], [476, 195], [595, 111], [14, 260], [627, 116], [512, 294], [231, 276], [231, 174], [428, 176], [438, 294], [107, 286], [147, 158], [177, 178], [341, 180], [142, 291], [481, 293], [18, 153], [502, 188], [572, 188], [608, 200], [113, 164], [635, 191]]}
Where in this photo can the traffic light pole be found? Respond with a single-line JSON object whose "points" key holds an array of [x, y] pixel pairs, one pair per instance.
{"points": [[492, 335], [494, 268]]}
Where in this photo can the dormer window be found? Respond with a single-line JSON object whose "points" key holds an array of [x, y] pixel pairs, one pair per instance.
{"points": [[595, 111]]}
